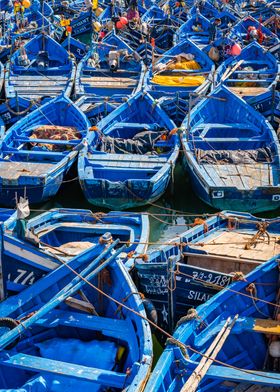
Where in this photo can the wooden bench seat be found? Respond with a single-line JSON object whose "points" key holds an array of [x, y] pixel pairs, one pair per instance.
{"points": [[65, 369]]}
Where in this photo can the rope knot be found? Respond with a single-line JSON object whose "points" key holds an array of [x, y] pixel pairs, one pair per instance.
{"points": [[238, 275], [191, 315], [180, 345], [251, 288]]}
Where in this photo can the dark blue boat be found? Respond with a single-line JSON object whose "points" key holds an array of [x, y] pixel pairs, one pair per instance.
{"points": [[66, 234], [110, 69], [229, 344], [195, 265], [38, 151], [251, 74], [14, 109], [41, 68], [133, 161], [196, 29], [94, 109], [232, 154], [179, 71], [75, 47], [75, 334]]}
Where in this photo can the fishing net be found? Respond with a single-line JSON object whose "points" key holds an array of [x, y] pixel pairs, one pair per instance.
{"points": [[234, 157], [54, 132], [141, 143]]}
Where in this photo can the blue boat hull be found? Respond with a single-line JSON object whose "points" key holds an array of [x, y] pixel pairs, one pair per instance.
{"points": [[124, 195], [233, 199]]}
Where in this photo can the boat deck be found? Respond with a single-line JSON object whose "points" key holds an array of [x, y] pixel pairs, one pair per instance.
{"points": [[36, 86], [248, 91], [12, 170], [232, 244], [128, 161], [109, 82], [242, 176]]}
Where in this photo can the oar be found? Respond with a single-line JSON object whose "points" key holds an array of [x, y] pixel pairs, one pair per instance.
{"points": [[71, 288], [230, 71], [193, 381]]}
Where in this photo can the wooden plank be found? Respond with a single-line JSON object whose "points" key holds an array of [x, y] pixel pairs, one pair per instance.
{"points": [[213, 174], [127, 158], [267, 326], [79, 304], [37, 77], [13, 170], [210, 355], [65, 369], [246, 91]]}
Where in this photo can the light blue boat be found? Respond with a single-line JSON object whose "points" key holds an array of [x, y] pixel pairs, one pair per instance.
{"points": [[251, 74], [73, 336], [41, 68], [64, 235], [38, 151], [133, 161], [110, 69], [229, 344], [232, 154], [165, 77]]}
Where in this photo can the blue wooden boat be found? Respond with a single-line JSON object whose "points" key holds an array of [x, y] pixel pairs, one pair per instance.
{"points": [[38, 151], [176, 107], [94, 109], [110, 69], [66, 234], [78, 338], [196, 29], [238, 330], [190, 268], [269, 107], [82, 23], [232, 154], [228, 19], [271, 20], [161, 27], [141, 42], [133, 162], [14, 109], [41, 68], [27, 25], [241, 33], [251, 74], [75, 47], [179, 71]]}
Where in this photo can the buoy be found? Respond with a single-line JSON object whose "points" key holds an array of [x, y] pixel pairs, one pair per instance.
{"points": [[123, 20], [119, 25], [26, 3], [274, 349], [236, 50], [98, 11], [97, 26]]}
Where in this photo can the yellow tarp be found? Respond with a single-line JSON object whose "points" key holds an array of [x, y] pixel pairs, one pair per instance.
{"points": [[180, 80], [184, 64]]}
